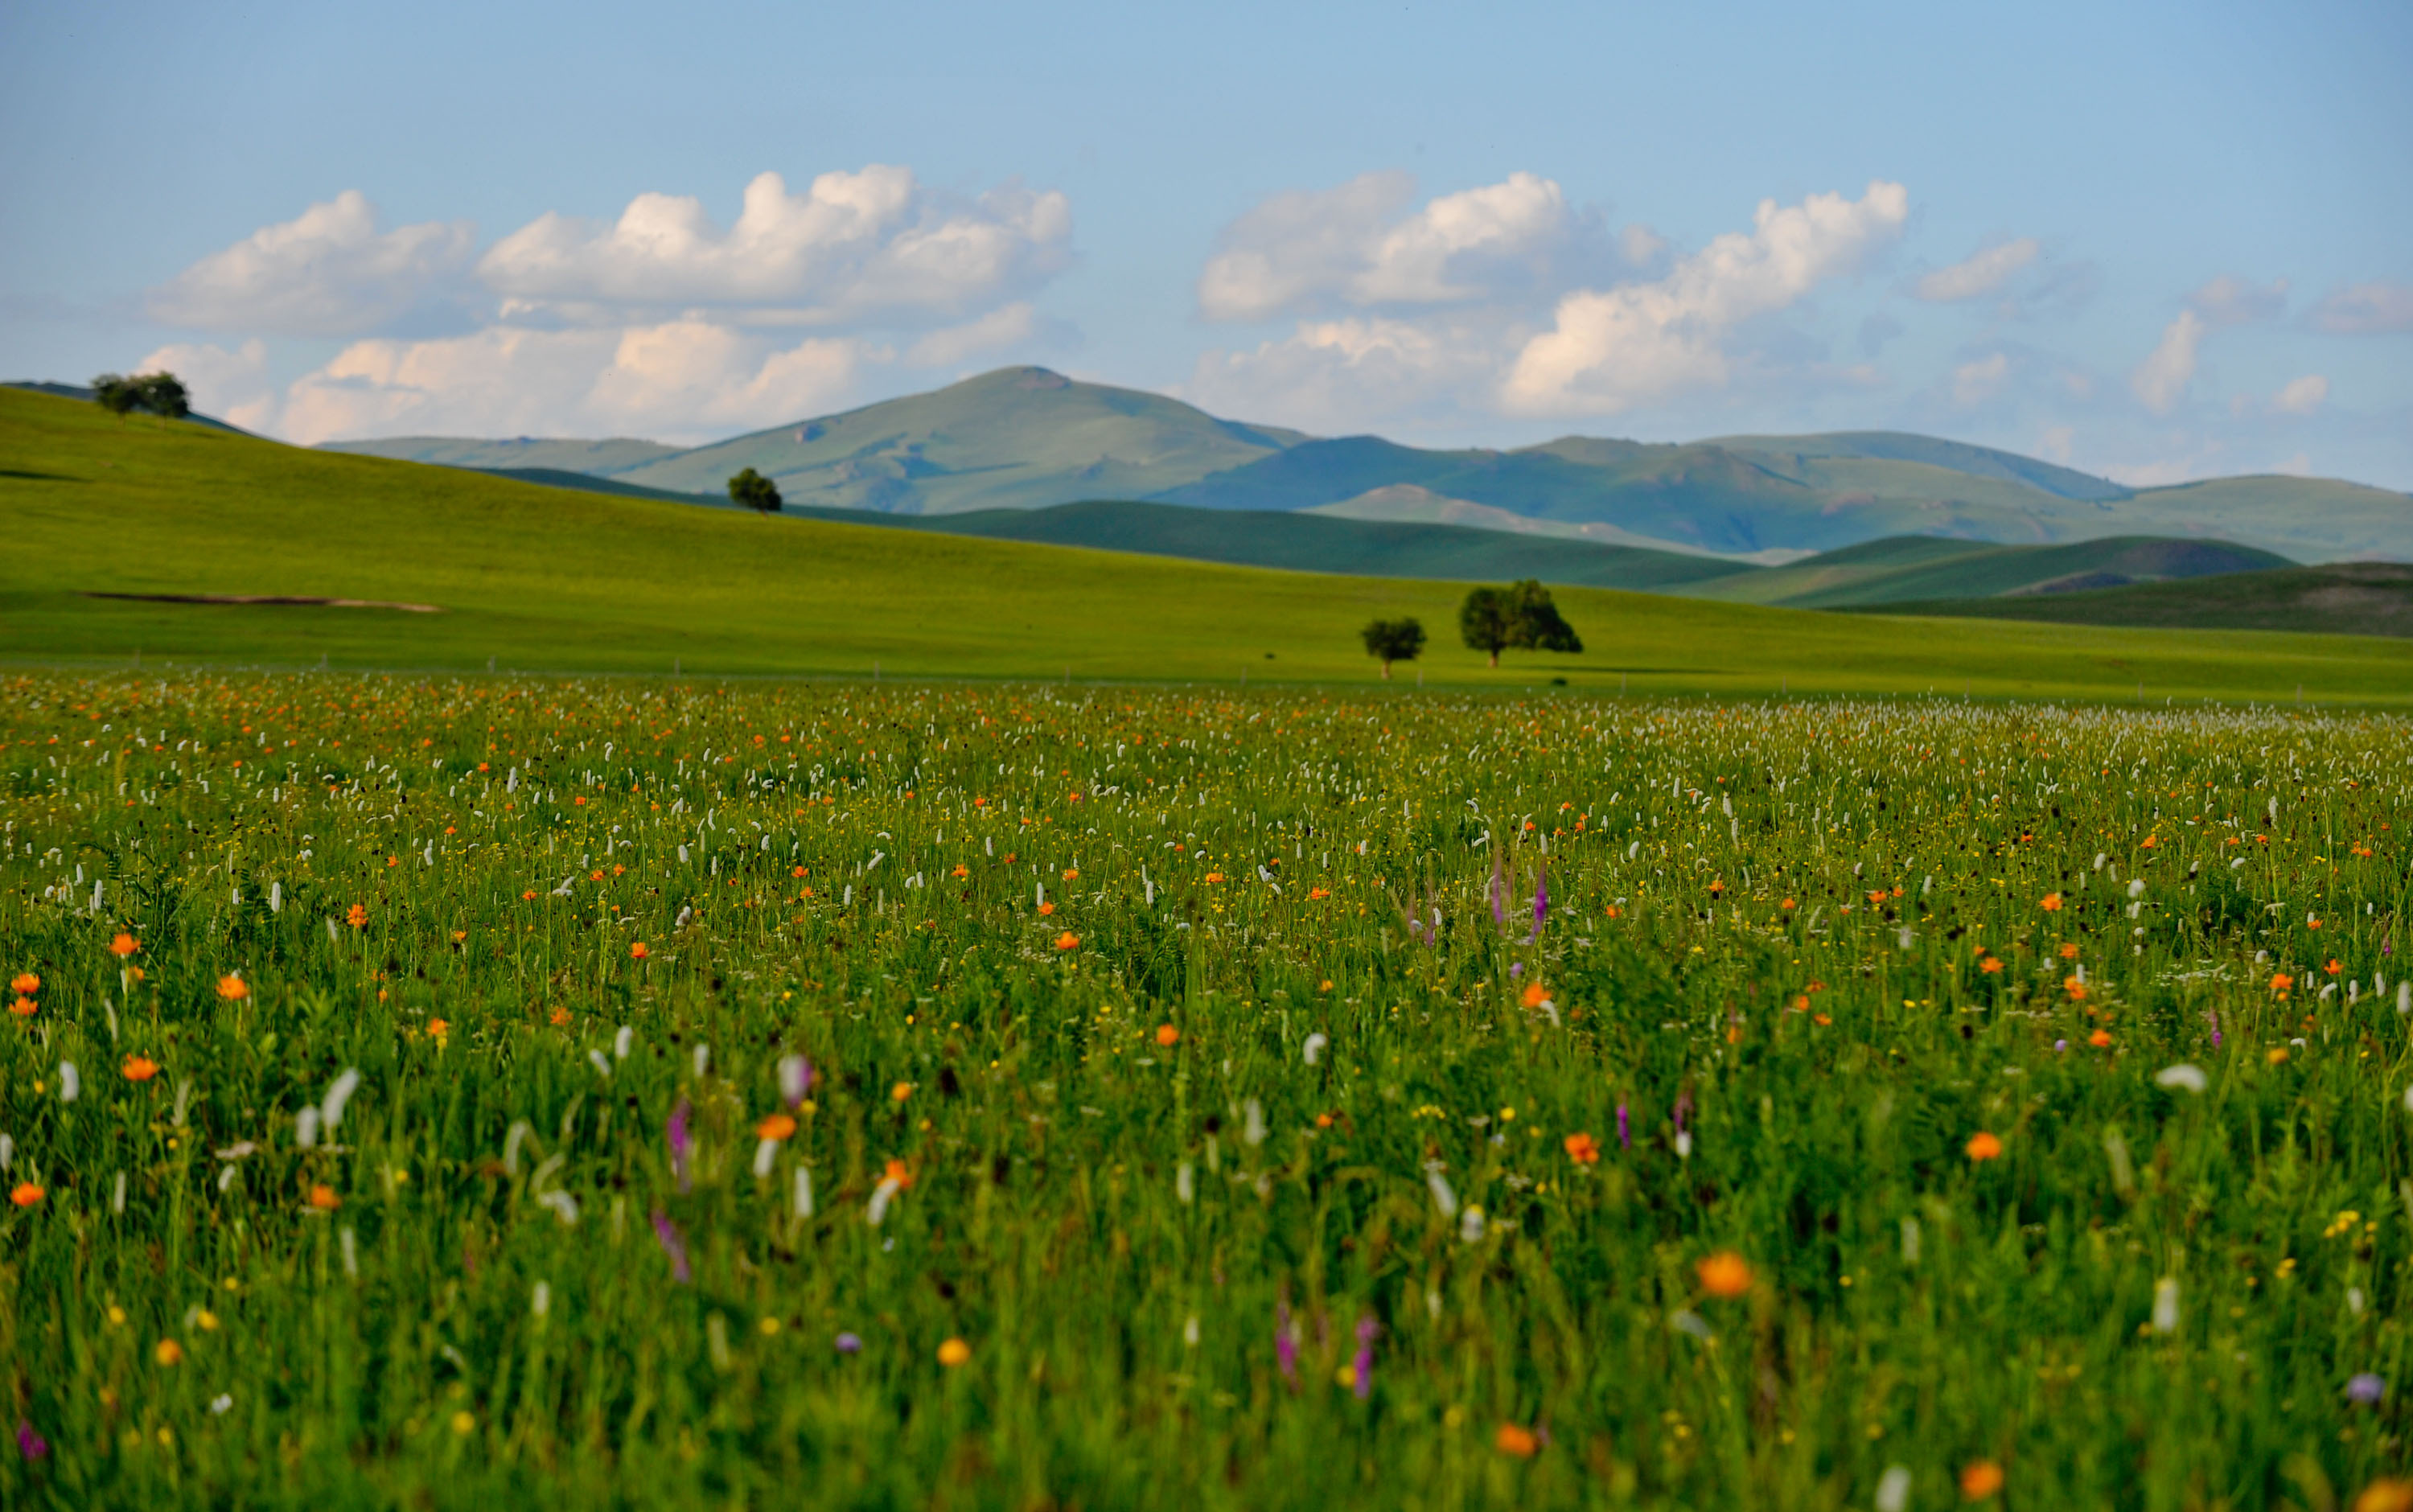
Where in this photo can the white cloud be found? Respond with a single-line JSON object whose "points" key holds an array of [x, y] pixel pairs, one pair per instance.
{"points": [[2227, 300], [999, 328], [232, 385], [329, 271], [2054, 443], [2162, 377], [1350, 246], [855, 247], [1354, 373], [1981, 273], [1974, 382], [2366, 309], [2303, 395], [1626, 345], [677, 381]]}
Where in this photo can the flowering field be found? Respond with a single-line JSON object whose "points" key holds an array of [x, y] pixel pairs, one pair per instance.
{"points": [[529, 1094]]}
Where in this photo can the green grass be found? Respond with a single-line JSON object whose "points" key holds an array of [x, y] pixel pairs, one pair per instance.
{"points": [[1923, 568], [1229, 1049], [2343, 598], [550, 579]]}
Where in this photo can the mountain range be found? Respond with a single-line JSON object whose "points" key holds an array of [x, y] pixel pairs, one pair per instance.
{"points": [[1028, 439]]}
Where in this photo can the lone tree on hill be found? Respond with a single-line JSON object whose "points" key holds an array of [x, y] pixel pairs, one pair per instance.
{"points": [[1394, 640], [1521, 617], [756, 492], [158, 394]]}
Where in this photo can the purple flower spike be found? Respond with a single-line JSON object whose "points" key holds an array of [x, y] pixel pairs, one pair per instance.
{"points": [[1361, 1370], [2061, 1044], [1515, 969], [1624, 1133], [1540, 902], [2366, 1388], [2215, 1016], [849, 1344], [1286, 1344], [682, 1142], [1683, 1109], [674, 1246], [33, 1446]]}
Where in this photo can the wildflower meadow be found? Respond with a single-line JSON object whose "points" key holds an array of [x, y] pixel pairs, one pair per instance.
{"points": [[510, 1092]]}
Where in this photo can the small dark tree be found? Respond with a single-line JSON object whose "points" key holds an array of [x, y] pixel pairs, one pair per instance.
{"points": [[1520, 616], [118, 394], [1394, 640], [756, 492], [163, 394], [1485, 623], [158, 394]]}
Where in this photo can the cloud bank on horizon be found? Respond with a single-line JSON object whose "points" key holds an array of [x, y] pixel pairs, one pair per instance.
{"points": [[1372, 308]]}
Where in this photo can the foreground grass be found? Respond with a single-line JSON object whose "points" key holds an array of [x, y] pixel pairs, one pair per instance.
{"points": [[534, 577], [1214, 1101]]}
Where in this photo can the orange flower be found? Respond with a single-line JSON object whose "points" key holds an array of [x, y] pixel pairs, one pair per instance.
{"points": [[1981, 1479], [1788, 905], [1583, 1149], [2385, 1495], [899, 1173], [438, 1029], [1214, 876], [1983, 1146], [25, 984], [139, 1068], [169, 1353], [558, 1018], [124, 945], [2100, 1039], [233, 988], [2332, 968], [1535, 997], [955, 1351], [2070, 950], [1068, 941], [528, 896], [356, 915], [2281, 983], [2052, 903], [1725, 1274], [322, 1197], [25, 1194], [899, 1092], [1167, 1035], [777, 1126], [638, 952], [25, 1007], [961, 871], [1519, 1442], [1991, 965], [1047, 909]]}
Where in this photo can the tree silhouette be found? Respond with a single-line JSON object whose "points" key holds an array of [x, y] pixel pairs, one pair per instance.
{"points": [[1394, 640], [756, 492]]}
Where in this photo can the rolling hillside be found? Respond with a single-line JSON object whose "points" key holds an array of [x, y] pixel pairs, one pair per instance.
{"points": [[1028, 439], [1905, 568], [2340, 599], [520, 576]]}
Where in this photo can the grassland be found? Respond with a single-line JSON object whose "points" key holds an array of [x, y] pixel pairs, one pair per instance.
{"points": [[543, 578], [446, 1092]]}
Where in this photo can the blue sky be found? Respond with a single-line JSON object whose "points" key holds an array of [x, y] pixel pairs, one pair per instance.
{"points": [[2154, 241]]}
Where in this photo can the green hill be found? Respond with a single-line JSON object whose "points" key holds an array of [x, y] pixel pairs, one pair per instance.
{"points": [[1927, 451], [1021, 438], [603, 459], [1904, 569], [553, 579], [2339, 599]]}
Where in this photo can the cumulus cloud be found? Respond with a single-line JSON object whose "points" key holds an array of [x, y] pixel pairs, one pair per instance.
{"points": [[329, 271], [1006, 326], [2366, 309], [2227, 300], [1974, 382], [852, 248], [1355, 372], [2162, 377], [1614, 348], [2302, 396], [232, 386], [1979, 274], [1356, 245], [680, 379]]}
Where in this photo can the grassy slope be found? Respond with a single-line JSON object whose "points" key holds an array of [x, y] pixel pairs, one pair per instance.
{"points": [[1016, 438], [603, 459], [548, 578], [1903, 446], [2343, 598], [1919, 567]]}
